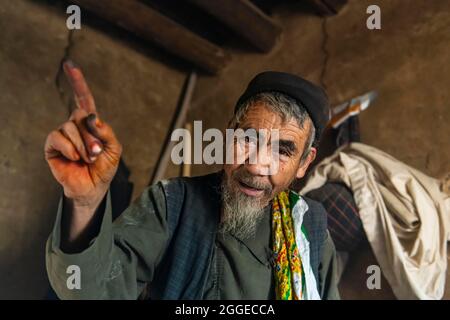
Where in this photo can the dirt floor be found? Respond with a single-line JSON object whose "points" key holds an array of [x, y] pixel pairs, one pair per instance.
{"points": [[137, 87]]}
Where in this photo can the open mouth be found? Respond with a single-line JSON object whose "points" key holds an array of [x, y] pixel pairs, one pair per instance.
{"points": [[250, 190]]}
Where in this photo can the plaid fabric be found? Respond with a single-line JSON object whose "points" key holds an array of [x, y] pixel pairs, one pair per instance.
{"points": [[344, 223]]}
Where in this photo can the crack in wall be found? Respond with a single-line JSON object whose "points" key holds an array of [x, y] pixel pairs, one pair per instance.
{"points": [[325, 53], [60, 73]]}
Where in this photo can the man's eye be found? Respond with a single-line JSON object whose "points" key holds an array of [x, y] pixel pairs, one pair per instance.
{"points": [[284, 152]]}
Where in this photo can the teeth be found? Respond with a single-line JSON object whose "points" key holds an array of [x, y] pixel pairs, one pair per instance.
{"points": [[251, 187]]}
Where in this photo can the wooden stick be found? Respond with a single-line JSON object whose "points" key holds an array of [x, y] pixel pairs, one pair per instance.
{"points": [[186, 169], [179, 119]]}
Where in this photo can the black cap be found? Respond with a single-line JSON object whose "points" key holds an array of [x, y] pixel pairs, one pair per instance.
{"points": [[312, 97]]}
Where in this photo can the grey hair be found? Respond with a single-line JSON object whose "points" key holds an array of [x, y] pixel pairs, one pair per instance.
{"points": [[286, 107]]}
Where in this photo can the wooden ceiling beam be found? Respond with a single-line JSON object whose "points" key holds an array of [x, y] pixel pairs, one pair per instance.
{"points": [[152, 26], [244, 18], [328, 7]]}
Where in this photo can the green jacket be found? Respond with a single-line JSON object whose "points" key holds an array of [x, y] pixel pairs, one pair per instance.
{"points": [[142, 249]]}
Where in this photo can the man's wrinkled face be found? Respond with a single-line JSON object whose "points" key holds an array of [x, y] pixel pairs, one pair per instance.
{"points": [[249, 186]]}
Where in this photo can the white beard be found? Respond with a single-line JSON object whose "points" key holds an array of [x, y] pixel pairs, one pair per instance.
{"points": [[241, 213]]}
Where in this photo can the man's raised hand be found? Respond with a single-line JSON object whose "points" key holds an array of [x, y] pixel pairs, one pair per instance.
{"points": [[83, 153]]}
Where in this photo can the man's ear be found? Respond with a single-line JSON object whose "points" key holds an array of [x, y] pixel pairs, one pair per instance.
{"points": [[229, 123], [231, 126], [305, 163]]}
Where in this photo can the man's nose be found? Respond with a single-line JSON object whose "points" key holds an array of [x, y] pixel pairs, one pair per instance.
{"points": [[259, 162]]}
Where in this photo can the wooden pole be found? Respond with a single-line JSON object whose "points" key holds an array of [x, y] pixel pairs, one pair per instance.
{"points": [[177, 122], [186, 168]]}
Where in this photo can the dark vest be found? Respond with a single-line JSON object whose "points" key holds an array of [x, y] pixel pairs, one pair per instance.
{"points": [[193, 209]]}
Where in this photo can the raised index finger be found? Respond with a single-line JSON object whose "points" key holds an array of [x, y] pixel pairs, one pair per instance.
{"points": [[83, 96]]}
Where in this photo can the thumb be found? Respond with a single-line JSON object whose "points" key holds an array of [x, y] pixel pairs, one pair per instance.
{"points": [[103, 132]]}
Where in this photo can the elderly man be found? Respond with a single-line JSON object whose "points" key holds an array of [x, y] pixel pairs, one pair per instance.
{"points": [[236, 234]]}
